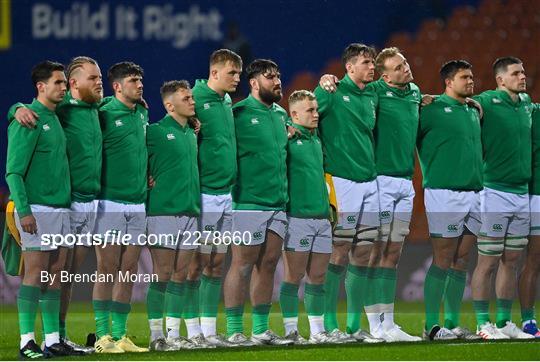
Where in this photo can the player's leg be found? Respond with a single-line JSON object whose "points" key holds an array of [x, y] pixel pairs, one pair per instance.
{"points": [[211, 281]]}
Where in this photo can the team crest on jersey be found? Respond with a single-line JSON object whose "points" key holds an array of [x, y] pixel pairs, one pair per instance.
{"points": [[496, 100], [299, 142], [170, 136], [389, 94], [254, 121], [118, 123], [73, 101], [46, 127], [206, 106], [448, 109], [346, 98]]}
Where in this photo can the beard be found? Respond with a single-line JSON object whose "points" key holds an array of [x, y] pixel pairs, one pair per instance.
{"points": [[88, 96], [268, 96]]}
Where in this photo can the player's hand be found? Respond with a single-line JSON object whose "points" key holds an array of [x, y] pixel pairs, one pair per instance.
{"points": [[427, 99], [195, 124], [472, 103], [26, 117], [291, 131], [28, 224], [151, 182], [329, 83]]}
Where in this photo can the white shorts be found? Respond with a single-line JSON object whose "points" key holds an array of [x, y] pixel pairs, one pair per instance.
{"points": [[504, 214], [253, 224], [357, 203], [448, 211], [305, 235], [173, 232], [50, 221], [123, 220], [83, 218], [534, 201], [216, 218]]}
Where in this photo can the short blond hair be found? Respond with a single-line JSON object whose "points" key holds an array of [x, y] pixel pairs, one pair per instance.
{"points": [[299, 96], [384, 55]]}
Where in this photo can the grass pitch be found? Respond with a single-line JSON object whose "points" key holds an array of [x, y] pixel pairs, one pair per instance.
{"points": [[410, 316]]}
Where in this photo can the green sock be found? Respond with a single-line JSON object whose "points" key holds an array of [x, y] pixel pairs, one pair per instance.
{"points": [[314, 299], [102, 311], [49, 303], [62, 325], [260, 313], [119, 312], [527, 314], [288, 300], [481, 309], [191, 306], [453, 294], [387, 285], [355, 286], [504, 312], [433, 292], [27, 306], [235, 320], [371, 286], [174, 299], [210, 291], [331, 287], [155, 300]]}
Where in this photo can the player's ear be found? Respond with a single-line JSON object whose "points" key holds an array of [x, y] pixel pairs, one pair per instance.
{"points": [[254, 84], [73, 83], [214, 73], [117, 87]]}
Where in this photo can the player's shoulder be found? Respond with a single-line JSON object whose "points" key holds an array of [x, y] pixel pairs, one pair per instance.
{"points": [[279, 109], [240, 106], [525, 98], [142, 110]]}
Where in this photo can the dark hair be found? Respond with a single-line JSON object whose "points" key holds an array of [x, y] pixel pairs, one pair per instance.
{"points": [[43, 71], [172, 86], [450, 68], [123, 70], [354, 50], [261, 66], [222, 56], [501, 64]]}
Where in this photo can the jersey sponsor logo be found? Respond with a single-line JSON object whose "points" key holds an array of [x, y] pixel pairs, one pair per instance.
{"points": [[304, 242], [73, 101], [448, 109], [208, 227], [452, 227], [254, 121], [46, 127], [170, 136], [351, 219], [118, 123], [257, 235], [142, 117], [346, 98], [497, 227], [496, 100], [206, 106], [299, 142], [384, 214]]}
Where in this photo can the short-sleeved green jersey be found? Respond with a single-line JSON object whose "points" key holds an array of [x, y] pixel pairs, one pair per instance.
{"points": [[308, 194], [450, 146], [534, 187], [261, 139], [37, 170], [506, 139], [217, 142], [347, 119], [396, 128], [172, 162], [124, 174]]}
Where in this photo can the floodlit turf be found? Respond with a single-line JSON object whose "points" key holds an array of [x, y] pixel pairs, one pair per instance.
{"points": [[410, 317]]}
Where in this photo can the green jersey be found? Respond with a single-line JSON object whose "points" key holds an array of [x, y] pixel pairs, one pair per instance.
{"points": [[37, 170], [261, 139], [450, 146], [125, 157], [80, 122], [217, 142], [308, 194], [534, 187], [347, 119], [506, 138], [172, 162], [396, 128]]}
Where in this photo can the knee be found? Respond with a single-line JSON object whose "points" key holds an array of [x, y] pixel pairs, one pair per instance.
{"points": [[269, 263], [316, 277], [461, 263], [391, 257], [340, 253], [294, 278]]}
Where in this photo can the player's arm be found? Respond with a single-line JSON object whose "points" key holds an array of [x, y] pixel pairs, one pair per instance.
{"points": [[324, 101], [22, 114], [151, 149], [21, 145]]}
